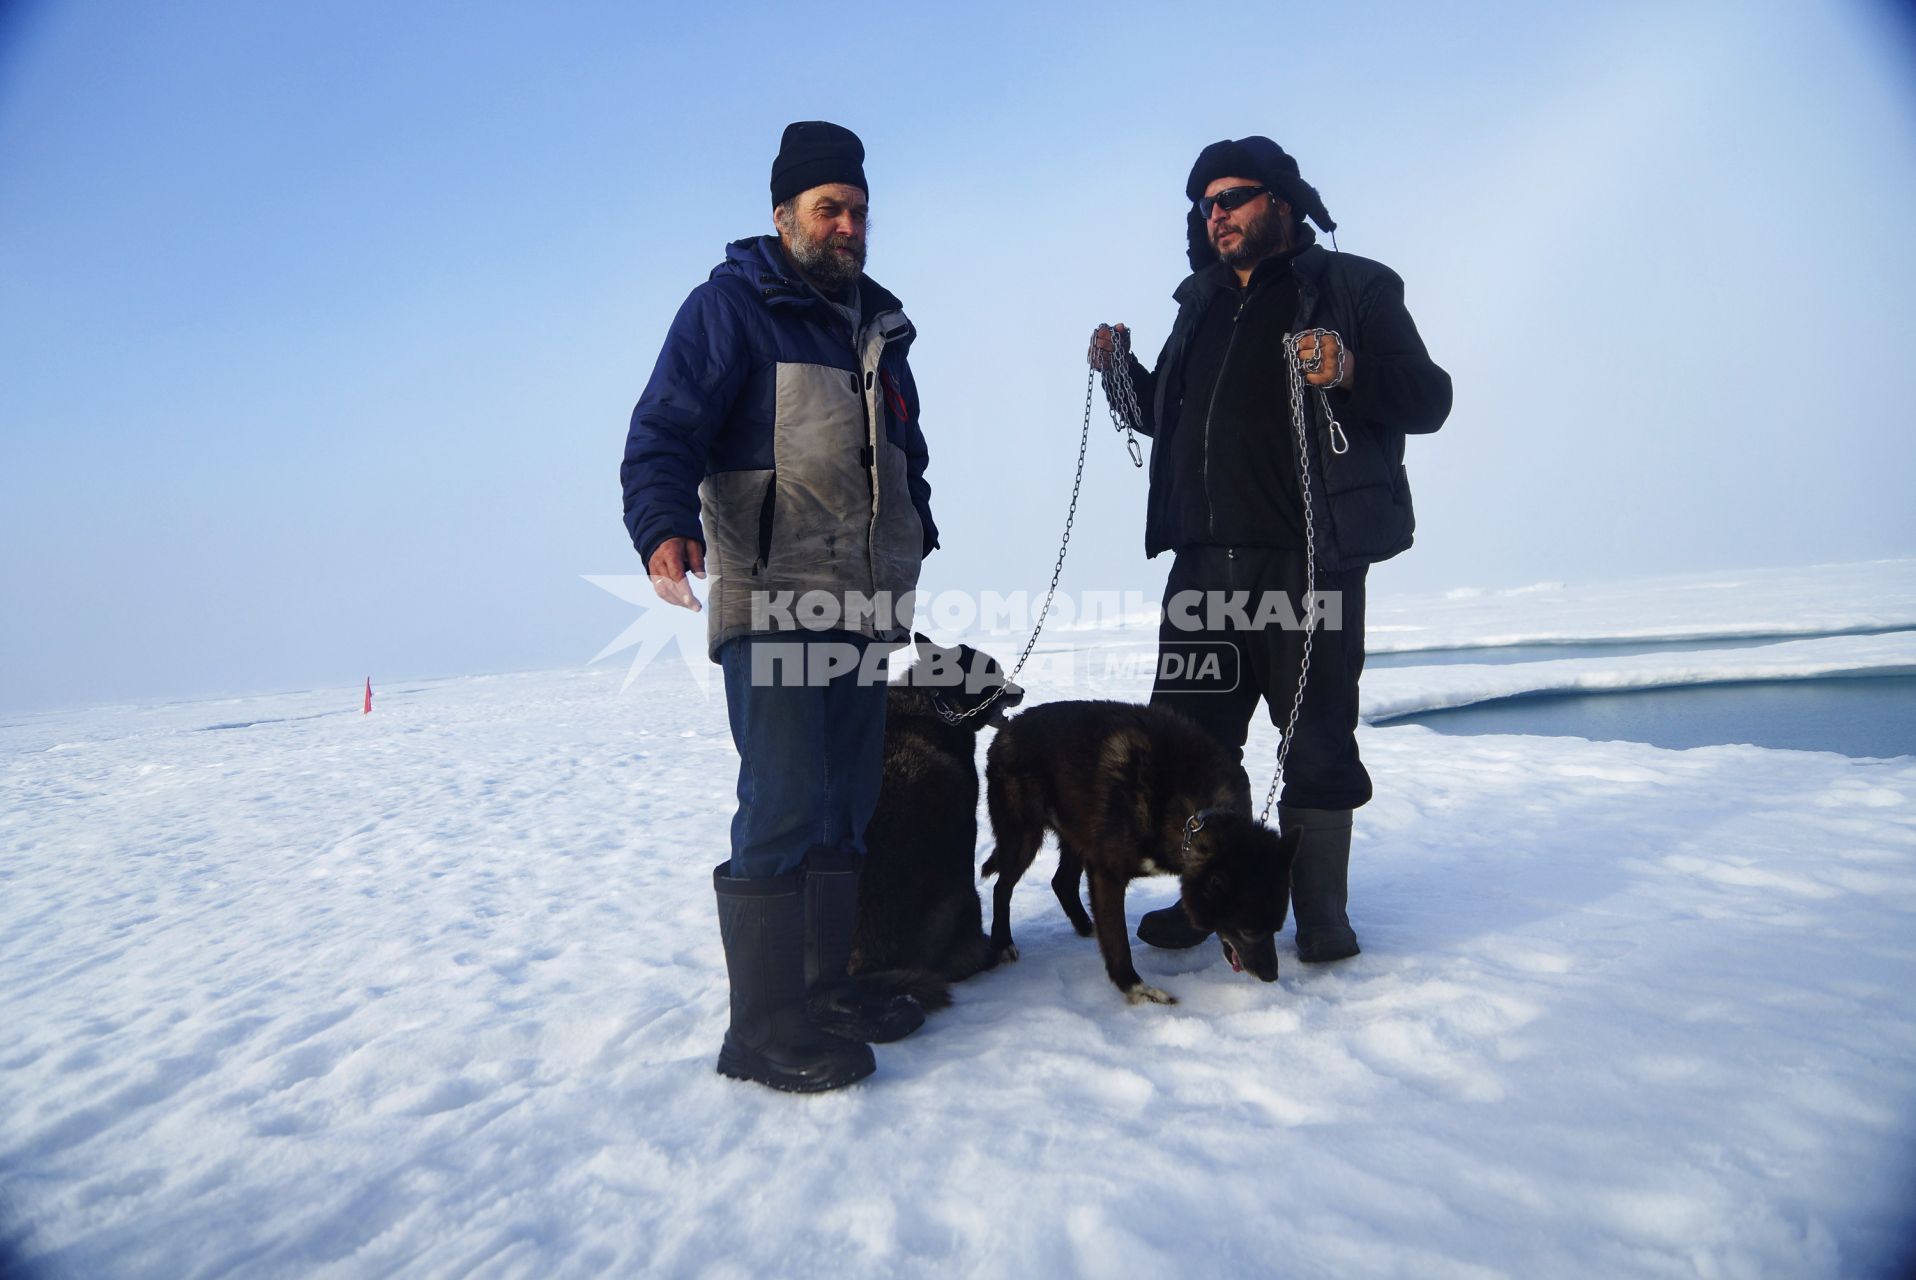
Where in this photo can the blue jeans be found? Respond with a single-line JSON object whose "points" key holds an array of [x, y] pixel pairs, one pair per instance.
{"points": [[811, 756]]}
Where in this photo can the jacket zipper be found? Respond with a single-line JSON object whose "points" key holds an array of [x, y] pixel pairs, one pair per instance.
{"points": [[863, 382], [1210, 508]]}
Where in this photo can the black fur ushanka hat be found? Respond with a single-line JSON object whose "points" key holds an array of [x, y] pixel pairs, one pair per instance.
{"points": [[1253, 157]]}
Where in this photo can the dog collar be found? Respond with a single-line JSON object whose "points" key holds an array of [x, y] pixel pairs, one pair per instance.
{"points": [[1193, 825]]}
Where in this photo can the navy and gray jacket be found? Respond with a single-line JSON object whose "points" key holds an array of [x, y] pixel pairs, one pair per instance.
{"points": [[1361, 496], [785, 442]]}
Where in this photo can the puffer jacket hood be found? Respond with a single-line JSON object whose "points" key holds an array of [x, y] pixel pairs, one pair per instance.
{"points": [[1253, 157]]}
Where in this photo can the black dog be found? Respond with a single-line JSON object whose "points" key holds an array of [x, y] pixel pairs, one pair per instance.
{"points": [[1134, 791], [919, 924]]}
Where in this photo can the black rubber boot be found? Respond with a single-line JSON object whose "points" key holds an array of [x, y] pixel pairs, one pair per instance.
{"points": [[1320, 874], [835, 1001], [1169, 928], [771, 1039]]}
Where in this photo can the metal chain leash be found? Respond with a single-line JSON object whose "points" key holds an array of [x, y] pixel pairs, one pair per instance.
{"points": [[1120, 397], [1070, 517], [1122, 402], [1297, 367], [1340, 443]]}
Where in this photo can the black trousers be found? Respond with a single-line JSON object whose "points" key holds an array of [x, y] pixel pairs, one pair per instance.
{"points": [[1224, 643]]}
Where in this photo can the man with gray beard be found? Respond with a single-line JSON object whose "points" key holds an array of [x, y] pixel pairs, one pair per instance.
{"points": [[778, 439], [1226, 495]]}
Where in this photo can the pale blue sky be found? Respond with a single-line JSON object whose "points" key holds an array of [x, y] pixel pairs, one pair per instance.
{"points": [[323, 322]]}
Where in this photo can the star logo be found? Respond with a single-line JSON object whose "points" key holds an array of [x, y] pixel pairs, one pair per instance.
{"points": [[656, 626]]}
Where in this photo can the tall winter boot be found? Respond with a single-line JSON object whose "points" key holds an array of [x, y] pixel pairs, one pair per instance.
{"points": [[771, 1039], [1320, 874], [1169, 928], [836, 1001]]}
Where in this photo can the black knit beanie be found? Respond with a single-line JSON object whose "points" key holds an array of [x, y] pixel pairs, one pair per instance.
{"points": [[813, 153], [1253, 157]]}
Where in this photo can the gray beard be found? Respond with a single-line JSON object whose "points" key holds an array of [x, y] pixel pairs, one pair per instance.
{"points": [[824, 266]]}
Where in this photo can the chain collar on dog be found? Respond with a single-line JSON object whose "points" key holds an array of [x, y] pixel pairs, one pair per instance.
{"points": [[949, 716], [1193, 825]]}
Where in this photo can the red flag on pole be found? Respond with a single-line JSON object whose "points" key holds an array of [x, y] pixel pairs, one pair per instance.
{"points": [[368, 708]]}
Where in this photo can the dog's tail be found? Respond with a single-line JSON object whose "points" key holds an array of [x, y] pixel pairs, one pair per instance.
{"points": [[923, 985]]}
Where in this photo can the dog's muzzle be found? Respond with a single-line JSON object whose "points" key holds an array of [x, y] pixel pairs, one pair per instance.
{"points": [[1257, 955], [1010, 698]]}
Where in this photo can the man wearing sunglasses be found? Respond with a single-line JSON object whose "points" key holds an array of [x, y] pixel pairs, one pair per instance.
{"points": [[778, 438], [1225, 495]]}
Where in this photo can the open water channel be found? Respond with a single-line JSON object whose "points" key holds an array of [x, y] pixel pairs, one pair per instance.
{"points": [[1862, 716]]}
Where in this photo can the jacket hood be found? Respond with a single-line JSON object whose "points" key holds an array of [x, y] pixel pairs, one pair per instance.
{"points": [[760, 261], [1253, 157]]}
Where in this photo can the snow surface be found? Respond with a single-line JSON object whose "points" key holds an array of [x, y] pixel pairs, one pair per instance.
{"points": [[437, 991]]}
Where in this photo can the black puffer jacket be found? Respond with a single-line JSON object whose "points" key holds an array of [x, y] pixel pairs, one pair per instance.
{"points": [[1361, 497]]}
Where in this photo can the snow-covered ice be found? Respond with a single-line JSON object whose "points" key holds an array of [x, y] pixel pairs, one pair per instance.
{"points": [[1869, 595], [437, 991], [1402, 691]]}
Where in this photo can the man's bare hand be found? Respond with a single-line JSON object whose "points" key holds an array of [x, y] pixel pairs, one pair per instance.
{"points": [[1337, 363], [668, 565], [1104, 342]]}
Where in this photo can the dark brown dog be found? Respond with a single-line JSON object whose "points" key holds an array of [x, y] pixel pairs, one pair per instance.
{"points": [[1134, 791], [919, 925]]}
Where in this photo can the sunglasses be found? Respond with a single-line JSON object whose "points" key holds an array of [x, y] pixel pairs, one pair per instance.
{"points": [[1228, 199]]}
